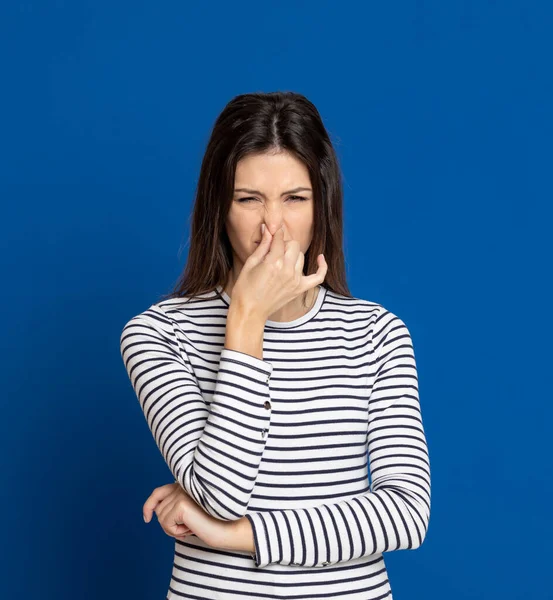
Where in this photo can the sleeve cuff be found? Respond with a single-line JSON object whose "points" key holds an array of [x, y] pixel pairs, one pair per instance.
{"points": [[241, 359], [260, 557]]}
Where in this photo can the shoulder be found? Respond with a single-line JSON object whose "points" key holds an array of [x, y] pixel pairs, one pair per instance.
{"points": [[153, 316], [373, 313], [148, 330], [380, 322], [170, 314], [359, 308]]}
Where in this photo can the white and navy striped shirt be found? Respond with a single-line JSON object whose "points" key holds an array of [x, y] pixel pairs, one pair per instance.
{"points": [[289, 441]]}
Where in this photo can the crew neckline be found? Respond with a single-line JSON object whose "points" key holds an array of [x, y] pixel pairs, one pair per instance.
{"points": [[287, 324]]}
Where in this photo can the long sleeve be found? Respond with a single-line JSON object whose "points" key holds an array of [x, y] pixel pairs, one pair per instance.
{"points": [[395, 514], [214, 452]]}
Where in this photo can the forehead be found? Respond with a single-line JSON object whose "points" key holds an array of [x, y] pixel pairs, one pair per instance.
{"points": [[281, 169]]}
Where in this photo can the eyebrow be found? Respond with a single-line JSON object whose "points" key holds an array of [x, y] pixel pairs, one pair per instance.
{"points": [[298, 189]]}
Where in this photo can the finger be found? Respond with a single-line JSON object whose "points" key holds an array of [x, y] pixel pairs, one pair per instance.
{"points": [[287, 239], [310, 281], [161, 507], [258, 255], [300, 261], [170, 519], [179, 529], [154, 499], [276, 250], [165, 509], [175, 529], [292, 253], [183, 530]]}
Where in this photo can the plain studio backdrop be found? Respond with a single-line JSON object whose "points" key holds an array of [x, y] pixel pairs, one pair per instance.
{"points": [[440, 113]]}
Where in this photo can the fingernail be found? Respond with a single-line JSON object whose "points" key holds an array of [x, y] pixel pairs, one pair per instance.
{"points": [[144, 517], [263, 228]]}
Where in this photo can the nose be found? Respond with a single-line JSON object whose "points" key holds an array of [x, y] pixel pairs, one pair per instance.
{"points": [[274, 226]]}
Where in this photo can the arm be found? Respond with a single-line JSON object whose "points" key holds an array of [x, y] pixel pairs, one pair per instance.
{"points": [[396, 513], [213, 452], [236, 535]]}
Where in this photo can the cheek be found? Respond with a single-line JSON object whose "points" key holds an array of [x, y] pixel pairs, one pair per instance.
{"points": [[301, 230], [241, 233], [237, 227]]}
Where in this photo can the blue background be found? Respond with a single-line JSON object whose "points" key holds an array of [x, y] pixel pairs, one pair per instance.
{"points": [[441, 114]]}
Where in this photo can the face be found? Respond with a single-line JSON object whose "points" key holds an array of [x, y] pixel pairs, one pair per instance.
{"points": [[266, 191]]}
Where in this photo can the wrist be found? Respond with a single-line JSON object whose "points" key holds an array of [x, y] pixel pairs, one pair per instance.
{"points": [[244, 332], [239, 315], [228, 535], [237, 535]]}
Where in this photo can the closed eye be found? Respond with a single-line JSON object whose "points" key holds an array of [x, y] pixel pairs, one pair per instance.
{"points": [[296, 199]]}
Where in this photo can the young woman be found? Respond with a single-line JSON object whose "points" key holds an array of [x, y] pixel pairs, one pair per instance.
{"points": [[271, 392]]}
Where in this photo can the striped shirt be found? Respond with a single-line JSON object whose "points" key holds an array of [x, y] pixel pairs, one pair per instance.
{"points": [[320, 444]]}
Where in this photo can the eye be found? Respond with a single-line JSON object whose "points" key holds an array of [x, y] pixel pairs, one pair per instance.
{"points": [[295, 199]]}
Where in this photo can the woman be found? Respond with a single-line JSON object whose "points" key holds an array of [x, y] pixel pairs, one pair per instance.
{"points": [[270, 390]]}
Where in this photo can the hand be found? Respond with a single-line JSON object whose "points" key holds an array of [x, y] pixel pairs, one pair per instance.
{"points": [[180, 516], [158, 500], [273, 275]]}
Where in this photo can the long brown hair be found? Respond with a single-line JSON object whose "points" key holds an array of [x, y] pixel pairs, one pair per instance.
{"points": [[253, 124]]}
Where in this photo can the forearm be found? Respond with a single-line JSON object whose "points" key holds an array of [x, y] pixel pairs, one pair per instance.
{"points": [[244, 332]]}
